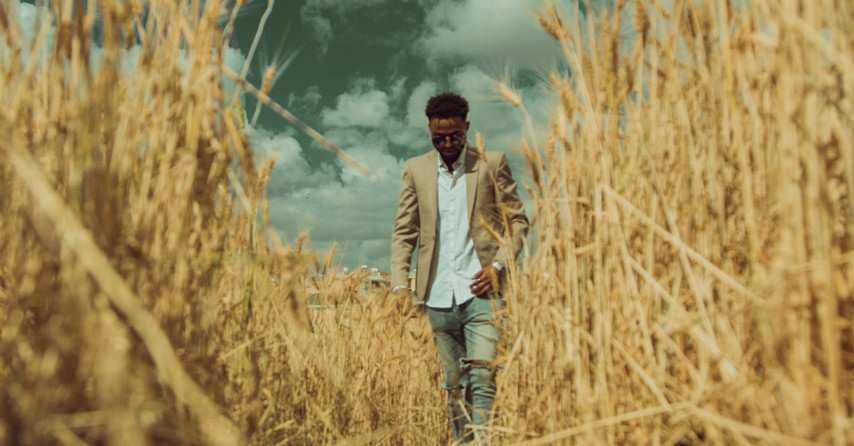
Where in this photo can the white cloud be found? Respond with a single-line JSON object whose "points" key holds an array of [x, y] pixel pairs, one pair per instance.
{"points": [[341, 205], [417, 101], [233, 59], [491, 30], [472, 82], [310, 99], [321, 26], [351, 210], [291, 174], [362, 107], [379, 161], [315, 14], [397, 91]]}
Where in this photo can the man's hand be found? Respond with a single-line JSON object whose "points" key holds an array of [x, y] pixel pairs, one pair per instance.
{"points": [[485, 281], [403, 300]]}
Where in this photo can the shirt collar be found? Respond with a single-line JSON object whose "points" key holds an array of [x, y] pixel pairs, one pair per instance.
{"points": [[456, 164]]}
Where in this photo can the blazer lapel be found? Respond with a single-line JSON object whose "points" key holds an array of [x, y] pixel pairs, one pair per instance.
{"points": [[429, 188], [472, 161]]}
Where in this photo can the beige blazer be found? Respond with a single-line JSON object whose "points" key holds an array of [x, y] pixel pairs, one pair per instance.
{"points": [[496, 215]]}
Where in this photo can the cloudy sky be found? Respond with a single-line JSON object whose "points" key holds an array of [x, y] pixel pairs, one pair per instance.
{"points": [[360, 72], [361, 75]]}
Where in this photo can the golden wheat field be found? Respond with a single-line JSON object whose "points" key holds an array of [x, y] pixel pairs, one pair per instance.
{"points": [[689, 278]]}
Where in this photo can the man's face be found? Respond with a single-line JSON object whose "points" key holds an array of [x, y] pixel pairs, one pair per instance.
{"points": [[449, 136]]}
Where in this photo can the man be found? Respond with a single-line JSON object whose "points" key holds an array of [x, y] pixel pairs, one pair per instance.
{"points": [[454, 202]]}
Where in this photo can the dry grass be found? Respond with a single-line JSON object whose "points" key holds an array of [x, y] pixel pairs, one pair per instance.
{"points": [[706, 177], [127, 269], [691, 252]]}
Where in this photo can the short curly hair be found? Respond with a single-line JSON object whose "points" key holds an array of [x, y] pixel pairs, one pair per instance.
{"points": [[447, 105]]}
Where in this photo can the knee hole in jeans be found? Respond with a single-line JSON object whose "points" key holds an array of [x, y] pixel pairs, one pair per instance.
{"points": [[455, 393]]}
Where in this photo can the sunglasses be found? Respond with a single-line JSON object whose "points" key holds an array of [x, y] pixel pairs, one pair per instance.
{"points": [[457, 139]]}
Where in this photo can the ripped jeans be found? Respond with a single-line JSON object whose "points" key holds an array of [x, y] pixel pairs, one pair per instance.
{"points": [[466, 339]]}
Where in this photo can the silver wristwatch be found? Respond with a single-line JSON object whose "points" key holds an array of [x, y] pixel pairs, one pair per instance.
{"points": [[498, 266]]}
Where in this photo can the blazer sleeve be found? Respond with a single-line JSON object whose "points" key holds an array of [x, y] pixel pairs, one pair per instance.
{"points": [[404, 236], [512, 212]]}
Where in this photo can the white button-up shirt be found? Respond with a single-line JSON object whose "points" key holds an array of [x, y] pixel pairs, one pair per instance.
{"points": [[455, 261]]}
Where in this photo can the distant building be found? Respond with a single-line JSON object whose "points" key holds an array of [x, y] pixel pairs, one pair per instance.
{"points": [[373, 282]]}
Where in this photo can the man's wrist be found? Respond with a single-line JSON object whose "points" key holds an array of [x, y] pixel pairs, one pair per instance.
{"points": [[499, 267]]}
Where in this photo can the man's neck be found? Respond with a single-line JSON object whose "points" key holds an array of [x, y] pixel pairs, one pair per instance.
{"points": [[449, 163]]}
